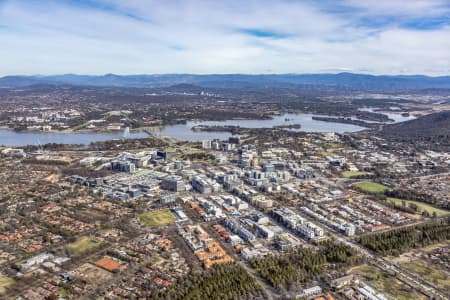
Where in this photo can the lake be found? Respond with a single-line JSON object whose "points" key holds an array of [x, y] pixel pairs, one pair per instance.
{"points": [[13, 138], [397, 117], [182, 131]]}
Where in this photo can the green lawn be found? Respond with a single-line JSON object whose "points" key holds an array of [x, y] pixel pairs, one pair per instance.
{"points": [[63, 293], [434, 275], [422, 206], [161, 217], [389, 285], [350, 174], [83, 244], [5, 283], [371, 187]]}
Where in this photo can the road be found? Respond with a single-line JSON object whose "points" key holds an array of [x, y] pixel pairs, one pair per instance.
{"points": [[268, 290]]}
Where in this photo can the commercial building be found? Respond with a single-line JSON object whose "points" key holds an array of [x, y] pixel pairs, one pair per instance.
{"points": [[235, 139], [173, 183], [203, 185], [168, 198], [123, 166]]}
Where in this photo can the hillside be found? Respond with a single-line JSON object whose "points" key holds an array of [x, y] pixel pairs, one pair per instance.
{"points": [[431, 130], [430, 125]]}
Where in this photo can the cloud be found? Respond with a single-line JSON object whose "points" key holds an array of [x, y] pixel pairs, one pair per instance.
{"points": [[409, 8], [200, 36]]}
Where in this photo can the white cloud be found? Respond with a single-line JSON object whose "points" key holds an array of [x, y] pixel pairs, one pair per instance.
{"points": [[209, 37], [414, 8]]}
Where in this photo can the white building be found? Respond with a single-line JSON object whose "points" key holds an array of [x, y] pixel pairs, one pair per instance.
{"points": [[313, 291], [206, 144]]}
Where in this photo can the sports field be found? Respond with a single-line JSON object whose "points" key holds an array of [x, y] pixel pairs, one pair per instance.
{"points": [[83, 244], [371, 187], [161, 217]]}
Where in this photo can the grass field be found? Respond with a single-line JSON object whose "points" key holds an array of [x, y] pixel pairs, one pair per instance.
{"points": [[94, 274], [63, 293], [5, 283], [434, 246], [161, 217], [434, 275], [382, 282], [350, 174], [83, 244], [371, 187], [422, 206]]}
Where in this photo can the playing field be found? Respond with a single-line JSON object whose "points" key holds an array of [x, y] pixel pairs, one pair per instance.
{"points": [[83, 244], [422, 206], [371, 187], [161, 217], [350, 174], [382, 282], [5, 283]]}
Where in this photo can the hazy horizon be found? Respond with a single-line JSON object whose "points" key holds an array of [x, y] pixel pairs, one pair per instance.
{"points": [[217, 74]]}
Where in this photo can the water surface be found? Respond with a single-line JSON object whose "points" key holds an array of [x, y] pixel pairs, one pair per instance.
{"points": [[13, 138], [184, 132]]}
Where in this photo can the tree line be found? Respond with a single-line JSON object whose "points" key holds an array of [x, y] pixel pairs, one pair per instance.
{"points": [[397, 241], [300, 265], [417, 196], [227, 281]]}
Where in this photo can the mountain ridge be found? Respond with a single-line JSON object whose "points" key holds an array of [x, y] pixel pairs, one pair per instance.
{"points": [[366, 82]]}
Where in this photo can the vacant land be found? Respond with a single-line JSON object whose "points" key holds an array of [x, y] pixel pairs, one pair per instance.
{"points": [[385, 283], [83, 244], [5, 283], [350, 174], [93, 274], [157, 218], [371, 187], [428, 272], [434, 246], [422, 206]]}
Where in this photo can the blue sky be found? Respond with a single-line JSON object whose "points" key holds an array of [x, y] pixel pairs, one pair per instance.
{"points": [[230, 36]]}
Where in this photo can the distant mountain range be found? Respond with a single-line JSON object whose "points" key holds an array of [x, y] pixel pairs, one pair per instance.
{"points": [[237, 81]]}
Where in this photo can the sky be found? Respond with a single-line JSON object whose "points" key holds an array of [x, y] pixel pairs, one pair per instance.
{"points": [[227, 36]]}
